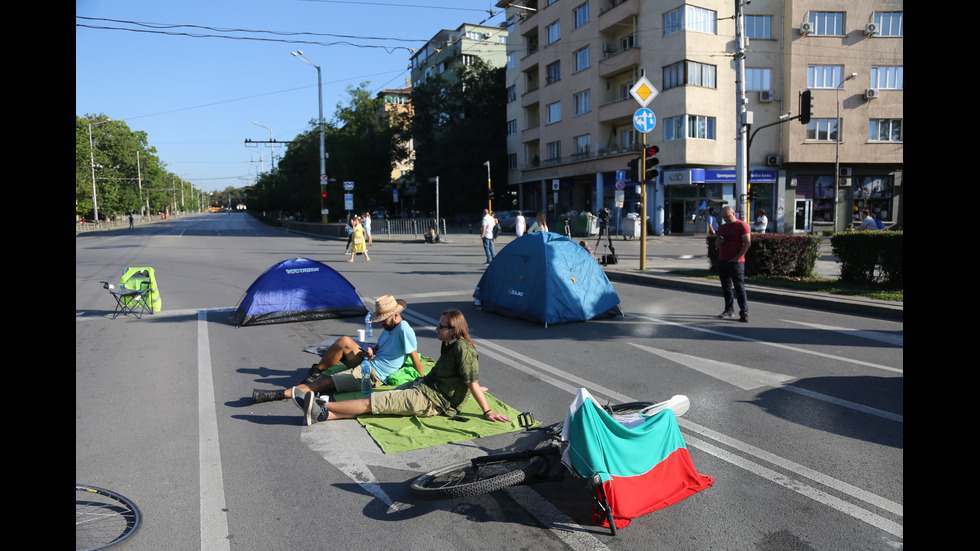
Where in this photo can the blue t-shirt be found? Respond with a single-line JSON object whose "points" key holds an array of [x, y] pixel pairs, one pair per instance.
{"points": [[393, 346]]}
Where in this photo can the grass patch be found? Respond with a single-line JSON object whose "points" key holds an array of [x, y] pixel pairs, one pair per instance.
{"points": [[812, 285]]}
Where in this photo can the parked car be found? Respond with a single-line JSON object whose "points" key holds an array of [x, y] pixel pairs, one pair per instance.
{"points": [[509, 218]]}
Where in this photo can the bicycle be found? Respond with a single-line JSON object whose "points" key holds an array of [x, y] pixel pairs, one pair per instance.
{"points": [[103, 518], [486, 474]]}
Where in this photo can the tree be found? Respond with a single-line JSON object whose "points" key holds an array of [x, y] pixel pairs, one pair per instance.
{"points": [[458, 126], [362, 148], [128, 175]]}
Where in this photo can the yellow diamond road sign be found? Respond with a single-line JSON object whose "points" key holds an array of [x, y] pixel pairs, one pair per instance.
{"points": [[643, 91]]}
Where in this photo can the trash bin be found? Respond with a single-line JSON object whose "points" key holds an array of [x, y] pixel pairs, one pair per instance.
{"points": [[586, 225], [630, 227]]}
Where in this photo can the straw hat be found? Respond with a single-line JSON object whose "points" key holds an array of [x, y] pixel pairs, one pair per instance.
{"points": [[387, 306]]}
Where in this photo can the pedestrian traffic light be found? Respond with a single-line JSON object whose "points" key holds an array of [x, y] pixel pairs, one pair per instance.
{"points": [[651, 163], [751, 194], [806, 107], [490, 193], [633, 170]]}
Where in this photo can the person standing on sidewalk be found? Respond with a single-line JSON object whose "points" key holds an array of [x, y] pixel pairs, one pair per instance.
{"points": [[734, 239], [486, 233]]}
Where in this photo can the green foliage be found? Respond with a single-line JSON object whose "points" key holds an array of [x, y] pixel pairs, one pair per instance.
{"points": [[870, 257], [129, 178], [775, 255], [362, 148], [458, 126]]}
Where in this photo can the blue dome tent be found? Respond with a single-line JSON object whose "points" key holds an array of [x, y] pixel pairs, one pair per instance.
{"points": [[299, 289], [547, 278]]}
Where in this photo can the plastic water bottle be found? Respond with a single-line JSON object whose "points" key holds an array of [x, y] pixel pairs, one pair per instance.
{"points": [[368, 328], [366, 377]]}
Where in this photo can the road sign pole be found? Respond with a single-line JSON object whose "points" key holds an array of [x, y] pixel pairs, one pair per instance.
{"points": [[643, 207]]}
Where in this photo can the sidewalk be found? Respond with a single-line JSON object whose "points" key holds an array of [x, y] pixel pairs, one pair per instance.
{"points": [[665, 254], [669, 253]]}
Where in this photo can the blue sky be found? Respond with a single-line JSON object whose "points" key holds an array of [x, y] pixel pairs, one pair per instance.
{"points": [[197, 75]]}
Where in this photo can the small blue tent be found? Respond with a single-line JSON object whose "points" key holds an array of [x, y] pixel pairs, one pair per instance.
{"points": [[547, 278], [298, 290]]}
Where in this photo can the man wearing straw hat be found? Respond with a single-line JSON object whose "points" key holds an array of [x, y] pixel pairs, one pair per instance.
{"points": [[396, 341], [441, 391]]}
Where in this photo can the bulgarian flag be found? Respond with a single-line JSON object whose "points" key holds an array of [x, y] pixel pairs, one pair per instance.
{"points": [[643, 467]]}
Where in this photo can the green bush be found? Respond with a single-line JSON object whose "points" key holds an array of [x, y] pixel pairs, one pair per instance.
{"points": [[870, 257], [775, 255]]}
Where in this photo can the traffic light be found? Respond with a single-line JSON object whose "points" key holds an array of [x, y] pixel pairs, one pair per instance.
{"points": [[806, 107], [633, 170], [651, 163], [751, 194], [490, 193]]}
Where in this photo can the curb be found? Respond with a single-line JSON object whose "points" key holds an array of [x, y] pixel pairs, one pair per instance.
{"points": [[837, 303]]}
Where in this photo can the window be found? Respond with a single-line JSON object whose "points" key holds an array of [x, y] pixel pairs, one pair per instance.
{"points": [[511, 60], [583, 144], [689, 73], [554, 112], [827, 23], [583, 102], [689, 126], [554, 32], [824, 76], [758, 27], [701, 127], [757, 80], [511, 127], [690, 18], [886, 78], [885, 130], [554, 72], [554, 151], [582, 61], [581, 15], [890, 23], [822, 130], [511, 93], [876, 194], [512, 161]]}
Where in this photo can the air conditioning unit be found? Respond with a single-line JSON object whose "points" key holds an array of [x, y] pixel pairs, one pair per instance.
{"points": [[872, 93], [806, 28], [767, 95], [871, 29], [773, 160], [845, 172]]}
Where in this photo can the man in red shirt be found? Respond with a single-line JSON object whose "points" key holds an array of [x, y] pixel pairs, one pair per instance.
{"points": [[734, 239]]}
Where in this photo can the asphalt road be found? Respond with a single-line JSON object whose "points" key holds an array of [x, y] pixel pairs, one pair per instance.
{"points": [[798, 415]]}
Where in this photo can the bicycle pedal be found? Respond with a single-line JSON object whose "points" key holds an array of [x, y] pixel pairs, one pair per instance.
{"points": [[526, 420]]}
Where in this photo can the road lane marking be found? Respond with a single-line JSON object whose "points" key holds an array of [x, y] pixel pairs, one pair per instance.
{"points": [[880, 336], [214, 513], [749, 378], [772, 344]]}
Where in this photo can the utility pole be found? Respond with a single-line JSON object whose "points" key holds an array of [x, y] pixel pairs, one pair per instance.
{"points": [[741, 115]]}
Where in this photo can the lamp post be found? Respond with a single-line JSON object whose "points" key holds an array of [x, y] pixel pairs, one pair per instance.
{"points": [[91, 152], [837, 149], [272, 153], [323, 159]]}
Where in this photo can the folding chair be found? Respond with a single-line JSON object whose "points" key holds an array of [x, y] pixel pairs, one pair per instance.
{"points": [[130, 301]]}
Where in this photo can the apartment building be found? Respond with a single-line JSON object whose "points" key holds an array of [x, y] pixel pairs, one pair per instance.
{"points": [[571, 65], [447, 48]]}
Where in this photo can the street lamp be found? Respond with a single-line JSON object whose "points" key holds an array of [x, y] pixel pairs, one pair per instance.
{"points": [[272, 153], [91, 152], [837, 149], [323, 165]]}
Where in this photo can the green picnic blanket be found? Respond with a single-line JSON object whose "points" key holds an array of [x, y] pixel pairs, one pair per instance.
{"points": [[397, 433]]}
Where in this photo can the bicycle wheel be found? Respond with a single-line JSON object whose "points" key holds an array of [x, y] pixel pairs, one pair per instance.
{"points": [[467, 479], [103, 518], [628, 407]]}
